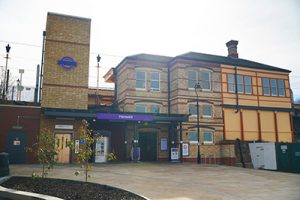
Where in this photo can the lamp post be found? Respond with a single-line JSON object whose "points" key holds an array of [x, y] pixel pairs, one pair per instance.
{"points": [[197, 90], [98, 60], [20, 86], [5, 72]]}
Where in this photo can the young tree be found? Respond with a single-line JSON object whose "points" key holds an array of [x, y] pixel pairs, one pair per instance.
{"points": [[85, 149], [45, 151]]}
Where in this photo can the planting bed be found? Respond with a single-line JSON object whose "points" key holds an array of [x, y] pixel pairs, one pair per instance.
{"points": [[68, 189]]}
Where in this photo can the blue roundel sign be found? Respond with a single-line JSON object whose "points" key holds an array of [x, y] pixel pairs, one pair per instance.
{"points": [[67, 62]]}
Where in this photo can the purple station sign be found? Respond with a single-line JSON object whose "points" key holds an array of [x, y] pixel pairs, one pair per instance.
{"points": [[127, 117]]}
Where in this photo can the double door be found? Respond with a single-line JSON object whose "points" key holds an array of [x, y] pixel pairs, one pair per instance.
{"points": [[61, 144]]}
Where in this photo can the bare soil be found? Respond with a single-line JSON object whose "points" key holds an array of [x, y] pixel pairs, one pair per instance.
{"points": [[68, 189]]}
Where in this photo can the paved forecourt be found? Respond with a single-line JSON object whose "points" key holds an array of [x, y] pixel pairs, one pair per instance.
{"points": [[160, 181]]}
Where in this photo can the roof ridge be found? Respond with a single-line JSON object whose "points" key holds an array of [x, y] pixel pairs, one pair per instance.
{"points": [[228, 60]]}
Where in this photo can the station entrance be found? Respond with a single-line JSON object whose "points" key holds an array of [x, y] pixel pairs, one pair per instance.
{"points": [[148, 146]]}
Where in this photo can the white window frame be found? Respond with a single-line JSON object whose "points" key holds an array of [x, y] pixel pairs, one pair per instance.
{"points": [[189, 110], [274, 89], [136, 79], [193, 141], [197, 78], [200, 81], [211, 113], [208, 142], [268, 86], [155, 89], [231, 83]]}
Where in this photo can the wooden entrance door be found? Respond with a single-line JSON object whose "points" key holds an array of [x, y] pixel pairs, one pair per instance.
{"points": [[61, 141]]}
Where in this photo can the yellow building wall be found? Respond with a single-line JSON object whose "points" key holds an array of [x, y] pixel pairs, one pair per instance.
{"points": [[275, 102], [267, 126], [250, 125], [232, 124], [284, 127], [248, 102]]}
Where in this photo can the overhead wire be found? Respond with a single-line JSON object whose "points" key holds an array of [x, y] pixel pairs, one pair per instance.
{"points": [[39, 46]]}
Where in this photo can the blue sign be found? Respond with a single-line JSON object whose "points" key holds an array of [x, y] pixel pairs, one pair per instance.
{"points": [[126, 117], [67, 63], [81, 141]]}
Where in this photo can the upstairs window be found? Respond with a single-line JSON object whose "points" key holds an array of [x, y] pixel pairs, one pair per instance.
{"points": [[140, 108], [240, 84], [205, 80], [154, 84], [248, 84], [243, 84], [266, 86], [231, 83], [207, 111], [140, 80], [192, 79], [192, 109], [273, 87], [281, 88]]}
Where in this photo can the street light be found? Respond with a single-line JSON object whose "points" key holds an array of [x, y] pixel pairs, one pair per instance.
{"points": [[20, 87], [5, 72], [98, 60], [198, 89]]}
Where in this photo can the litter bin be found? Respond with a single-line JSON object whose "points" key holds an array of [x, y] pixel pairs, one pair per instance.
{"points": [[4, 164]]}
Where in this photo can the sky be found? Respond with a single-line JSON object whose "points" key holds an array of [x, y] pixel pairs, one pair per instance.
{"points": [[268, 31]]}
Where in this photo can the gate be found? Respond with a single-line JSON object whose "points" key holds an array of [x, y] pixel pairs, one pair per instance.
{"points": [[296, 157], [288, 157], [15, 147]]}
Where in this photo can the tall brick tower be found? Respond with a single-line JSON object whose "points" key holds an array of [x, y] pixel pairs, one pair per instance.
{"points": [[66, 66]]}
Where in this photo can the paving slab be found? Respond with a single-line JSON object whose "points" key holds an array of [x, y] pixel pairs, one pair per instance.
{"points": [[187, 181]]}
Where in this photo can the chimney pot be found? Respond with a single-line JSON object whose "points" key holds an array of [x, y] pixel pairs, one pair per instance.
{"points": [[232, 48]]}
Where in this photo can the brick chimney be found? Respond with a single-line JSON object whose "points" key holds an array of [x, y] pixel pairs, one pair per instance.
{"points": [[232, 48]]}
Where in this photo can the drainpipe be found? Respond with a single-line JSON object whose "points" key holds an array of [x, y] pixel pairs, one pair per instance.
{"points": [[36, 89], [236, 90], [169, 110], [241, 153], [180, 146], [116, 87], [169, 90], [42, 65]]}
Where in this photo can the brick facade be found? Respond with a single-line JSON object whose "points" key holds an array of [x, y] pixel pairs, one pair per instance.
{"points": [[182, 96], [66, 36], [128, 96], [25, 119], [62, 88]]}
